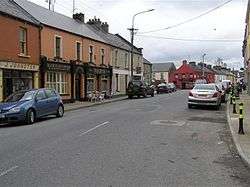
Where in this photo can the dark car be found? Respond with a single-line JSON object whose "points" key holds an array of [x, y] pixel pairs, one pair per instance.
{"points": [[32, 104], [163, 88], [139, 88]]}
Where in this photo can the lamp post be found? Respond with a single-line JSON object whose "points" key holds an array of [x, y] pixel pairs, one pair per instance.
{"points": [[203, 60], [132, 30]]}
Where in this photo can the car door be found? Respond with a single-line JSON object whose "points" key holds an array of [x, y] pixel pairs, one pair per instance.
{"points": [[52, 101], [41, 103]]}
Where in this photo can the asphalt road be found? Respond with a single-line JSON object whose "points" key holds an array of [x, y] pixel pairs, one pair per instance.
{"points": [[141, 142]]}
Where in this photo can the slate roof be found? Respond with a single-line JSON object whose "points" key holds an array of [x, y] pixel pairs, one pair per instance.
{"points": [[111, 39], [12, 9], [145, 61], [57, 20], [163, 67]]}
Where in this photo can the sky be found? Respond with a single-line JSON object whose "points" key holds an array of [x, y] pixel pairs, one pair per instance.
{"points": [[226, 23]]}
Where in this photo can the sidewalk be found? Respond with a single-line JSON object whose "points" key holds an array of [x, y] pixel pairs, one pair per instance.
{"points": [[85, 104], [242, 142]]}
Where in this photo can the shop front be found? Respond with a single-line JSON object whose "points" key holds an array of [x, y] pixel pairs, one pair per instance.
{"points": [[56, 75], [17, 76], [98, 79]]}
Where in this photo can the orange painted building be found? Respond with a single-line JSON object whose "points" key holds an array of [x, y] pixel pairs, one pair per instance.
{"points": [[19, 51], [74, 60]]}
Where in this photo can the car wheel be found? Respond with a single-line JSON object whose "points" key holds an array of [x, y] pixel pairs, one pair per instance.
{"points": [[152, 94], [30, 116], [130, 97], [60, 111]]}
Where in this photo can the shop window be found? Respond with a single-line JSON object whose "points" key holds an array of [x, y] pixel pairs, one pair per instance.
{"points": [[57, 81], [23, 41], [90, 85], [176, 76], [78, 51], [58, 46], [102, 56]]}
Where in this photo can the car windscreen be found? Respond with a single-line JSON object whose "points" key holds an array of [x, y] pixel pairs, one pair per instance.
{"points": [[20, 96], [204, 87]]}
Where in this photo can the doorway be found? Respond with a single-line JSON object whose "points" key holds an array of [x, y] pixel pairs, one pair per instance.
{"points": [[78, 86]]}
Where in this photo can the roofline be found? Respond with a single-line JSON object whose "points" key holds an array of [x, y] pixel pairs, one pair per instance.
{"points": [[104, 39], [127, 41], [19, 19]]}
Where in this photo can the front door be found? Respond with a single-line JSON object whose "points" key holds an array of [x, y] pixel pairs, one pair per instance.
{"points": [[78, 86]]}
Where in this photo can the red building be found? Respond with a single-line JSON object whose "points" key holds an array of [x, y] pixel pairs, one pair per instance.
{"points": [[185, 76]]}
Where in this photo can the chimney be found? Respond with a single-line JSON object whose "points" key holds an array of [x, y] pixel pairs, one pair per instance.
{"points": [[184, 62], [209, 66], [100, 25], [79, 17], [192, 63]]}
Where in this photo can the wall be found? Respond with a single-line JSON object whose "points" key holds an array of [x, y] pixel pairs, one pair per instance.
{"points": [[10, 28]]}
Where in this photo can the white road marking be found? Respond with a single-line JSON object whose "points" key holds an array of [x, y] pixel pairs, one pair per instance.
{"points": [[168, 123], [102, 124], [7, 171]]}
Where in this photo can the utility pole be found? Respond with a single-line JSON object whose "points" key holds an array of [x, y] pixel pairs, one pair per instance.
{"points": [[132, 30], [203, 60], [74, 6]]}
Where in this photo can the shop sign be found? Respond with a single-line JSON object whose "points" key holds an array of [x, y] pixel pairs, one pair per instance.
{"points": [[18, 66], [58, 67], [99, 71]]}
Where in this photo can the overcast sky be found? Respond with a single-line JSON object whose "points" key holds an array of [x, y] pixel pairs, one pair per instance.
{"points": [[227, 22]]}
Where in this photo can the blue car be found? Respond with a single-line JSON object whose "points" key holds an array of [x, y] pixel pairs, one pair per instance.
{"points": [[29, 105]]}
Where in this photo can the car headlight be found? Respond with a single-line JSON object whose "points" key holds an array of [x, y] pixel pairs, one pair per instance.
{"points": [[15, 109]]}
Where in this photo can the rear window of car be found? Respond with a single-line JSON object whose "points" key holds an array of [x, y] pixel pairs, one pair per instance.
{"points": [[204, 87]]}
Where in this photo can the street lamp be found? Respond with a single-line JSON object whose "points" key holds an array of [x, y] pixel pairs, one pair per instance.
{"points": [[203, 59], [132, 30]]}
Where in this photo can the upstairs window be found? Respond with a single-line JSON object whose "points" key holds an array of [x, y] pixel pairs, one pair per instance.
{"points": [[116, 57], [23, 41], [91, 53], [78, 51], [126, 60], [58, 46], [102, 56]]}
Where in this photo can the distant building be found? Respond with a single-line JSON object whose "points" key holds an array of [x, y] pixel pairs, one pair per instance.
{"points": [[186, 75], [161, 71], [147, 71]]}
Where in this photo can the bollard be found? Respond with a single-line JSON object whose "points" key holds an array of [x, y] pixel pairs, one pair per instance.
{"points": [[241, 130], [234, 105]]}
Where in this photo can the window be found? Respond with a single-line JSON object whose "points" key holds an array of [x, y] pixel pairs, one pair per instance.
{"points": [[183, 76], [91, 53], [176, 76], [116, 57], [126, 60], [57, 81], [191, 75], [50, 93], [78, 51], [162, 76], [23, 41], [40, 95], [58, 46], [102, 56]]}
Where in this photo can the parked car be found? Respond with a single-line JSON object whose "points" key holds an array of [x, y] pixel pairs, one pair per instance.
{"points": [[163, 88], [31, 104], [223, 92], [172, 87], [139, 88], [227, 84], [204, 94]]}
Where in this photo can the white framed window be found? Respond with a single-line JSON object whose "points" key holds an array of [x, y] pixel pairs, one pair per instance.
{"points": [[126, 60], [91, 53], [102, 56], [23, 41], [57, 81], [58, 46], [116, 57], [78, 50]]}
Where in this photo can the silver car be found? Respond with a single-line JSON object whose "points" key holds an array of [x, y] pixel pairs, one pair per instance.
{"points": [[206, 95]]}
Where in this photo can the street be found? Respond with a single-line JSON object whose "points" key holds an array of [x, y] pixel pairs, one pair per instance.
{"points": [[141, 142]]}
